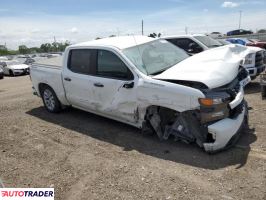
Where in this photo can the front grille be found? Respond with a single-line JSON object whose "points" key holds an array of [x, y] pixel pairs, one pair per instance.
{"points": [[259, 60]]}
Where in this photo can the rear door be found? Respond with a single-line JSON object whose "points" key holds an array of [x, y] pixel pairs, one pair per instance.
{"points": [[77, 77]]}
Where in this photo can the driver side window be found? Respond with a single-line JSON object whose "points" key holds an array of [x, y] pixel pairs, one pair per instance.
{"points": [[111, 66]]}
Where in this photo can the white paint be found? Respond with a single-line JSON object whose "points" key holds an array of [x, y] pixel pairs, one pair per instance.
{"points": [[129, 105]]}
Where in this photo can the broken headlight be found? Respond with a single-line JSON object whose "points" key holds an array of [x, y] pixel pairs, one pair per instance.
{"points": [[214, 106]]}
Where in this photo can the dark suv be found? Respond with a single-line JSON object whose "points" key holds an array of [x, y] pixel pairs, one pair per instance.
{"points": [[239, 32]]}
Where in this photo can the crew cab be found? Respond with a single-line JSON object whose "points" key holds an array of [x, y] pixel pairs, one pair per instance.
{"points": [[150, 84], [253, 57]]}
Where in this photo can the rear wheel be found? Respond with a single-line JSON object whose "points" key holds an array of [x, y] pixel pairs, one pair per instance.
{"points": [[50, 100]]}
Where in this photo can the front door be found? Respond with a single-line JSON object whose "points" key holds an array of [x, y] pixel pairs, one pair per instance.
{"points": [[114, 87]]}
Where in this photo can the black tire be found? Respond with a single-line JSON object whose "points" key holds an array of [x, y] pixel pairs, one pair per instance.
{"points": [[263, 92], [1, 76], [50, 100], [11, 73]]}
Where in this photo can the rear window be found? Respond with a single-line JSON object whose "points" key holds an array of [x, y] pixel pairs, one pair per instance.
{"points": [[81, 60]]}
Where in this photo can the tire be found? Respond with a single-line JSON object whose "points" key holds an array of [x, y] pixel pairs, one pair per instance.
{"points": [[2, 76], [11, 73], [50, 100], [263, 92]]}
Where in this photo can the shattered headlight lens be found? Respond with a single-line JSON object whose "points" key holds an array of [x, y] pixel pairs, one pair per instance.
{"points": [[249, 59], [214, 106]]}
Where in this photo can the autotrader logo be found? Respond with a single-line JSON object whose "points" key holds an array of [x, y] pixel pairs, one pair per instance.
{"points": [[27, 193]]}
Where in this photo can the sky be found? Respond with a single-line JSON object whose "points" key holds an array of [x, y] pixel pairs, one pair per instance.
{"points": [[33, 22]]}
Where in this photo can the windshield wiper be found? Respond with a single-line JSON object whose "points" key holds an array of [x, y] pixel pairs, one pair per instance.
{"points": [[158, 72], [215, 45]]}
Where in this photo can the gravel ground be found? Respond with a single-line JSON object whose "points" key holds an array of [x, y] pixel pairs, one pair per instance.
{"points": [[84, 156]]}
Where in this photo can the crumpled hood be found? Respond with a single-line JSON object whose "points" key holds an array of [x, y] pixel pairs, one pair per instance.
{"points": [[214, 67], [21, 66]]}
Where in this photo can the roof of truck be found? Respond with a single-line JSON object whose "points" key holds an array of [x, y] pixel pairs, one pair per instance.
{"points": [[120, 42], [182, 36]]}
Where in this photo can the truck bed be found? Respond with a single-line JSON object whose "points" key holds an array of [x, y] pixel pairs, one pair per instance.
{"points": [[49, 72], [55, 62]]}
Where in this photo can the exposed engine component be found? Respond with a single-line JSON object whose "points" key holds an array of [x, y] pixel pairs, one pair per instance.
{"points": [[183, 126]]}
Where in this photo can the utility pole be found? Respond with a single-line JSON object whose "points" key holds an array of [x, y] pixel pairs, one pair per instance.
{"points": [[240, 16], [142, 27]]}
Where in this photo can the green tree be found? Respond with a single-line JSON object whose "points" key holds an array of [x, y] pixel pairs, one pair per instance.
{"points": [[47, 47], [154, 35], [262, 31], [23, 49]]}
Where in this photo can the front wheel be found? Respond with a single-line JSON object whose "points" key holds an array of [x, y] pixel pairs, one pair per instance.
{"points": [[50, 100], [11, 73]]}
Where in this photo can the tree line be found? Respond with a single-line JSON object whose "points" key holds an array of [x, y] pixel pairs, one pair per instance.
{"points": [[44, 48]]}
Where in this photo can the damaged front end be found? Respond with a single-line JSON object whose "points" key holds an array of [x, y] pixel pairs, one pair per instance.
{"points": [[215, 125]]}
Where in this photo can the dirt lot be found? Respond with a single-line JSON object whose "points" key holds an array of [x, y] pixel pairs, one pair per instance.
{"points": [[84, 156]]}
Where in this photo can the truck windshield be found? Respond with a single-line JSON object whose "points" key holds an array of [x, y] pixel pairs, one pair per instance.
{"points": [[208, 41], [155, 57]]}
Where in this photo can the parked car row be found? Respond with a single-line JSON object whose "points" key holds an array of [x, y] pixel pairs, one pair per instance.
{"points": [[236, 32], [248, 42], [19, 65], [153, 85], [253, 57]]}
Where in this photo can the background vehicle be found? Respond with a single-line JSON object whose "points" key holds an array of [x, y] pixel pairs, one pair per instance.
{"points": [[241, 41], [14, 68], [257, 43], [150, 84], [215, 35], [263, 85], [253, 57], [239, 32], [1, 72]]}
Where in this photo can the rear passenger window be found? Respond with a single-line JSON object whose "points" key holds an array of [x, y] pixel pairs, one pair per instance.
{"points": [[81, 60], [111, 66]]}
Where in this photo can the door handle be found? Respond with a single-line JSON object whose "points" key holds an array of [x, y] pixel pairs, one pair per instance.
{"points": [[98, 85], [67, 79]]}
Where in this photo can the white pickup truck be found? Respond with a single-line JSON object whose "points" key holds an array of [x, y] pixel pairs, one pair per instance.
{"points": [[253, 57], [150, 84]]}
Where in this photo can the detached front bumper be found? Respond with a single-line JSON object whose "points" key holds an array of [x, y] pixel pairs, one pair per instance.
{"points": [[226, 131]]}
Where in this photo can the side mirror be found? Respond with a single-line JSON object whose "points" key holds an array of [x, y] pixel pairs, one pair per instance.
{"points": [[128, 85]]}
